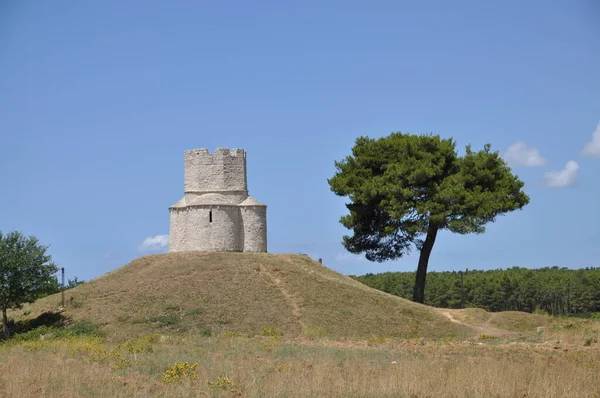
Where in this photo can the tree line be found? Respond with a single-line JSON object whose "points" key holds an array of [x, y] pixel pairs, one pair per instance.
{"points": [[557, 291]]}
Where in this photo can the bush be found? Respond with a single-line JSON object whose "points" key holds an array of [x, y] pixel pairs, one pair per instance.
{"points": [[142, 344], [271, 331], [166, 320], [206, 332], [588, 342], [539, 311], [179, 371], [222, 383], [84, 328], [315, 332], [81, 328]]}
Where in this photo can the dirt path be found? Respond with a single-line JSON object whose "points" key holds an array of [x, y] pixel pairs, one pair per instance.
{"points": [[484, 328], [294, 307], [448, 315]]}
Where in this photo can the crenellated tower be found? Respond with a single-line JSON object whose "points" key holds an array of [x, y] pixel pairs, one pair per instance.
{"points": [[216, 212]]}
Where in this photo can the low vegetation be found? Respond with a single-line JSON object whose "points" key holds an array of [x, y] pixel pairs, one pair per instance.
{"points": [[557, 362], [255, 325]]}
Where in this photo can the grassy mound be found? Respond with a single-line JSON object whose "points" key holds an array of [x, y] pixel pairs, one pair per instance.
{"points": [[508, 321], [245, 293]]}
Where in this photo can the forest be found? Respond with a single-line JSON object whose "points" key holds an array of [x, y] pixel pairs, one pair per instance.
{"points": [[552, 290]]}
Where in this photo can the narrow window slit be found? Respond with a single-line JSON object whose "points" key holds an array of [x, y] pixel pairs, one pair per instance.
{"points": [[210, 216]]}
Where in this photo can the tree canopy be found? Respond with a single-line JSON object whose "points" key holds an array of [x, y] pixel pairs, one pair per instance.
{"points": [[404, 188], [26, 271]]}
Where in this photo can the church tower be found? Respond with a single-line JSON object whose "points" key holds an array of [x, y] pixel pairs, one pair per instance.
{"points": [[216, 213]]}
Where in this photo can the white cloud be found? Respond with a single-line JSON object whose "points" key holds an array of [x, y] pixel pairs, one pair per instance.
{"points": [[592, 148], [153, 243], [519, 154], [563, 178]]}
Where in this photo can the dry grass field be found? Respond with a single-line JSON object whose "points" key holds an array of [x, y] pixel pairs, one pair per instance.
{"points": [[259, 325]]}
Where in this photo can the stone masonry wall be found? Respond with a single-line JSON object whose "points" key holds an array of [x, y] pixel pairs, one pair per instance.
{"points": [[214, 214], [178, 229], [254, 219], [224, 170]]}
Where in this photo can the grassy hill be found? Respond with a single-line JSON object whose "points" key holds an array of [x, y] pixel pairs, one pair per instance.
{"points": [[244, 292], [193, 325]]}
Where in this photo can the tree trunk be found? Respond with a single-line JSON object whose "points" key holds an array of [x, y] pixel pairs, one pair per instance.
{"points": [[5, 324], [419, 291]]}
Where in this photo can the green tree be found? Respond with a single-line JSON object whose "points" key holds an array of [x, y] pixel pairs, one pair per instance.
{"points": [[405, 188], [74, 283], [26, 271]]}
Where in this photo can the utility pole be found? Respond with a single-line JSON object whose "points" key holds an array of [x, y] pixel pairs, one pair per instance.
{"points": [[462, 291], [63, 286]]}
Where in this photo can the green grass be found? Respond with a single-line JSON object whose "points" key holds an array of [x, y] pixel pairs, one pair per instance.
{"points": [[80, 328]]}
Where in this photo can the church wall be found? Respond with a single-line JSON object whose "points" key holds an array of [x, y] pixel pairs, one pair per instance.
{"points": [[178, 230], [224, 170], [216, 222], [220, 234], [254, 219]]}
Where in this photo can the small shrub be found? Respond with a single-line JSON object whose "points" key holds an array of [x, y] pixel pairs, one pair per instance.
{"points": [[376, 339], [271, 331], [485, 337], [122, 363], [206, 332], [588, 342], [540, 311], [84, 328], [269, 345], [282, 367], [195, 312], [166, 320], [315, 332], [142, 344], [179, 371], [222, 383]]}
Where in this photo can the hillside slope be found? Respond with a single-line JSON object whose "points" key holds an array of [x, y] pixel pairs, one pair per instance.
{"points": [[245, 292]]}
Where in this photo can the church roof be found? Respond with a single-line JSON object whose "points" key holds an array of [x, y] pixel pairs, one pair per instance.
{"points": [[210, 199], [182, 203], [250, 201]]}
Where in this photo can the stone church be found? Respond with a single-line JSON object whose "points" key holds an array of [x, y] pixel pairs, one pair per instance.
{"points": [[216, 213]]}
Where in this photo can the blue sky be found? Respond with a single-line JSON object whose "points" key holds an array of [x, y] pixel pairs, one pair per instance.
{"points": [[99, 100]]}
